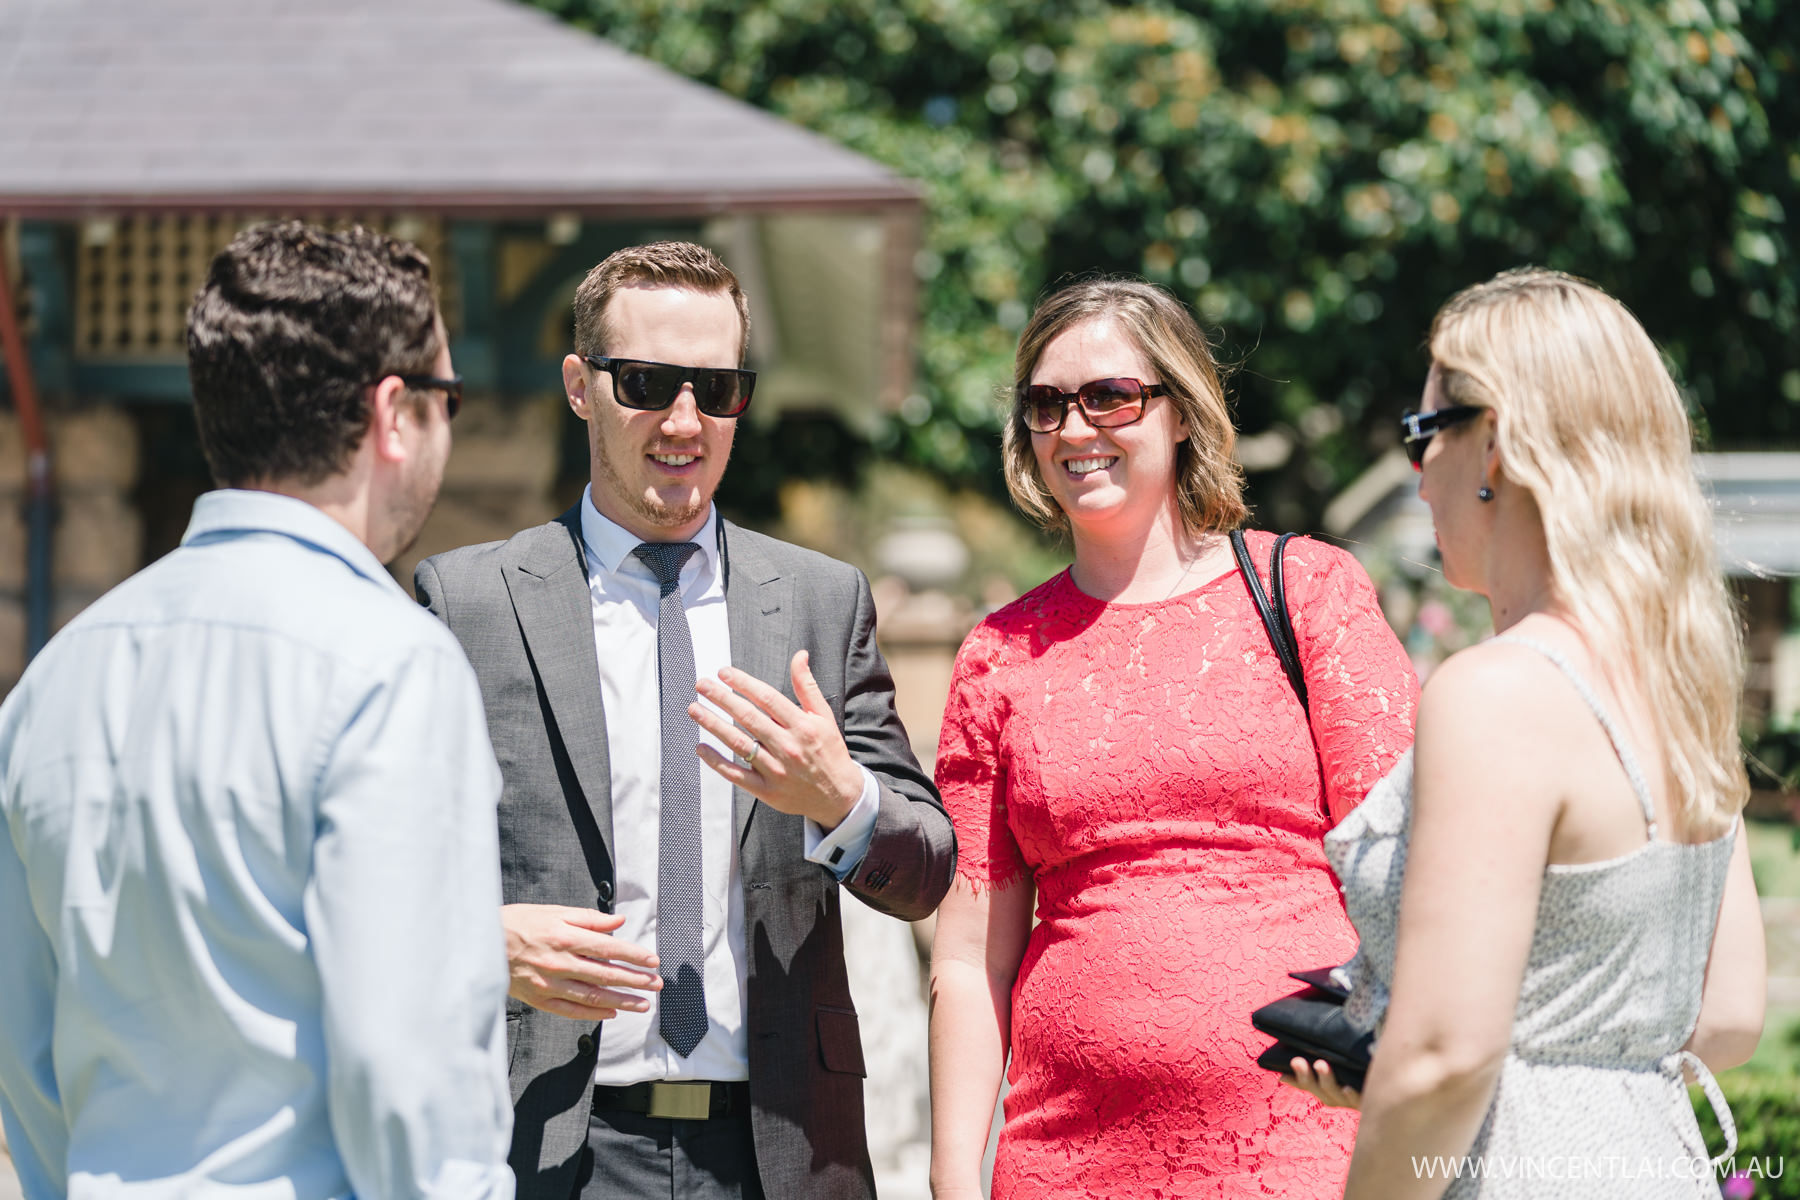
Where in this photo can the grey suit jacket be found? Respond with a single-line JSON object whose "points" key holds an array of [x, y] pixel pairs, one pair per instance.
{"points": [[522, 611]]}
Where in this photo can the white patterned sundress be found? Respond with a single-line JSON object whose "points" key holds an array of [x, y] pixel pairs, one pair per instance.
{"points": [[1591, 1101]]}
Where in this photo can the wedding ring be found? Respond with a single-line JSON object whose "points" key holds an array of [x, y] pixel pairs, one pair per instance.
{"points": [[750, 755]]}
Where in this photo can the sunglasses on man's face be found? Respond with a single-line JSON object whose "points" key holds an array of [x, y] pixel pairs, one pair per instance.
{"points": [[1417, 428], [653, 386], [1106, 403], [451, 387]]}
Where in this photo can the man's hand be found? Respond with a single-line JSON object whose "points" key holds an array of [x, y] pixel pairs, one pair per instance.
{"points": [[564, 963], [797, 762]]}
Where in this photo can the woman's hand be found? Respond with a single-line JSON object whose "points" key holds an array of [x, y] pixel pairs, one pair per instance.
{"points": [[1318, 1082]]}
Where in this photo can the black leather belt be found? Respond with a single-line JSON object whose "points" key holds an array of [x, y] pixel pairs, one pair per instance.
{"points": [[677, 1101]]}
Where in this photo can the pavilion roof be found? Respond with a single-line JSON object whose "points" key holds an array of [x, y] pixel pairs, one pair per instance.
{"points": [[471, 106]]}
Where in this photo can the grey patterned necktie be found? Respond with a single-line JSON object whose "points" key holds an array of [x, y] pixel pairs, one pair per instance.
{"points": [[680, 890]]}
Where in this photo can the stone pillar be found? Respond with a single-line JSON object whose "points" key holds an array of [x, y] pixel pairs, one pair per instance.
{"points": [[98, 537], [500, 477], [919, 633]]}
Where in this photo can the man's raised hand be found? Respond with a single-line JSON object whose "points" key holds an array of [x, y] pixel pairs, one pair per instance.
{"points": [[795, 757]]}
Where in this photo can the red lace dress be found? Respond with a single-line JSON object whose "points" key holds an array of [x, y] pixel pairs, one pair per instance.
{"points": [[1149, 767]]}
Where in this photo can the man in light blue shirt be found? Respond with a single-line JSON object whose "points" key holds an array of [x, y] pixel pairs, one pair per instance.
{"points": [[249, 882]]}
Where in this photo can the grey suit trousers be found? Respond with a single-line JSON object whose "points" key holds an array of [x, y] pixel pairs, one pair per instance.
{"points": [[629, 1156]]}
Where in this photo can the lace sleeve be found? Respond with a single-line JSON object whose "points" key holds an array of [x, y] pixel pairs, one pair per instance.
{"points": [[1362, 690], [969, 771]]}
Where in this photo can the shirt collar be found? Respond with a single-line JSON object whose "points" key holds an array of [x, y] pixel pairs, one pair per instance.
{"points": [[609, 544], [236, 510]]}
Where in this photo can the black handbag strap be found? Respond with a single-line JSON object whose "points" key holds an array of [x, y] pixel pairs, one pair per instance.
{"points": [[1274, 617]]}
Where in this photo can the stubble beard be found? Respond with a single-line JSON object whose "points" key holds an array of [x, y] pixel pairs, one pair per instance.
{"points": [[409, 510], [646, 504]]}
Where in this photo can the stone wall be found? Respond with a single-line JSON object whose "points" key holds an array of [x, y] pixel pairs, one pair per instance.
{"points": [[97, 538], [500, 478]]}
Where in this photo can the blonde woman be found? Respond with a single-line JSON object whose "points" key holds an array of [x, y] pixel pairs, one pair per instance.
{"points": [[1576, 924], [1123, 752]]}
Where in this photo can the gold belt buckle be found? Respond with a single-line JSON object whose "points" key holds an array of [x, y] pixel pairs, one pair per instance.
{"points": [[681, 1101]]}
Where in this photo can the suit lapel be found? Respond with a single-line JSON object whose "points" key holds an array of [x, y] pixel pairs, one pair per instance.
{"points": [[549, 587], [757, 612]]}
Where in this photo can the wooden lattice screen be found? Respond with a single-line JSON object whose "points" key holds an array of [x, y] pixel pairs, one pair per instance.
{"points": [[136, 276]]}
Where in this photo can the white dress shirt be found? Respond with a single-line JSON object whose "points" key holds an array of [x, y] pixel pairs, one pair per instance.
{"points": [[626, 597], [250, 933]]}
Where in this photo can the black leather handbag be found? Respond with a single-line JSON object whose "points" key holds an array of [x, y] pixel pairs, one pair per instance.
{"points": [[1310, 1023]]}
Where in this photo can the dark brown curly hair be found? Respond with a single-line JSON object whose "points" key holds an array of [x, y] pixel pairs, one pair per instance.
{"points": [[290, 329]]}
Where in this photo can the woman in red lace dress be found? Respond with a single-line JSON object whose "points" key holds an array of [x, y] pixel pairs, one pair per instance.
{"points": [[1122, 746]]}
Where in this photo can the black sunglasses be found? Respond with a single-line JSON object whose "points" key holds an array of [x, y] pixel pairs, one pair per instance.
{"points": [[1417, 428], [451, 387], [1106, 403], [653, 386]]}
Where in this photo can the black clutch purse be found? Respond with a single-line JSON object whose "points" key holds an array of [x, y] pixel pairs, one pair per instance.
{"points": [[1310, 1024]]}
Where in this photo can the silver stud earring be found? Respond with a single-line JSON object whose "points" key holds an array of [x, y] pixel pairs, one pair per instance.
{"points": [[1485, 494]]}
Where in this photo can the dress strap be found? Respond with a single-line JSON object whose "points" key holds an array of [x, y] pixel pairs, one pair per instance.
{"points": [[1626, 758], [1672, 1065]]}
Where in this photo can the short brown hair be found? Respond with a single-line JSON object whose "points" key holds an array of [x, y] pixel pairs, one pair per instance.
{"points": [[1209, 485], [291, 327], [660, 264]]}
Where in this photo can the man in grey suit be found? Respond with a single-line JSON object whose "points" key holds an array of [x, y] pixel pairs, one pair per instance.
{"points": [[699, 746]]}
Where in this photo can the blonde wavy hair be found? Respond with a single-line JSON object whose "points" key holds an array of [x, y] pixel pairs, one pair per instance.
{"points": [[1590, 423], [1209, 486]]}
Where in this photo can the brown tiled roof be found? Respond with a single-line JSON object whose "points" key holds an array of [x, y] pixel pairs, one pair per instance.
{"points": [[442, 105]]}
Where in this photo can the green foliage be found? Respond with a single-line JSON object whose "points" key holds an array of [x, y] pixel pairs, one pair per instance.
{"points": [[1775, 864], [1767, 1112], [1314, 176], [1774, 756]]}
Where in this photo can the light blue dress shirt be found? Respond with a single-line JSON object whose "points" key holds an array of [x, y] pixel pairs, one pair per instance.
{"points": [[249, 884]]}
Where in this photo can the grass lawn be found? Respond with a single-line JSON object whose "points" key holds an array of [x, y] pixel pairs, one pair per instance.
{"points": [[1776, 863], [1773, 859]]}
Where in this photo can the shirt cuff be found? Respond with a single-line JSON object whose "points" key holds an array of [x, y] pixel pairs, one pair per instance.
{"points": [[841, 851]]}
